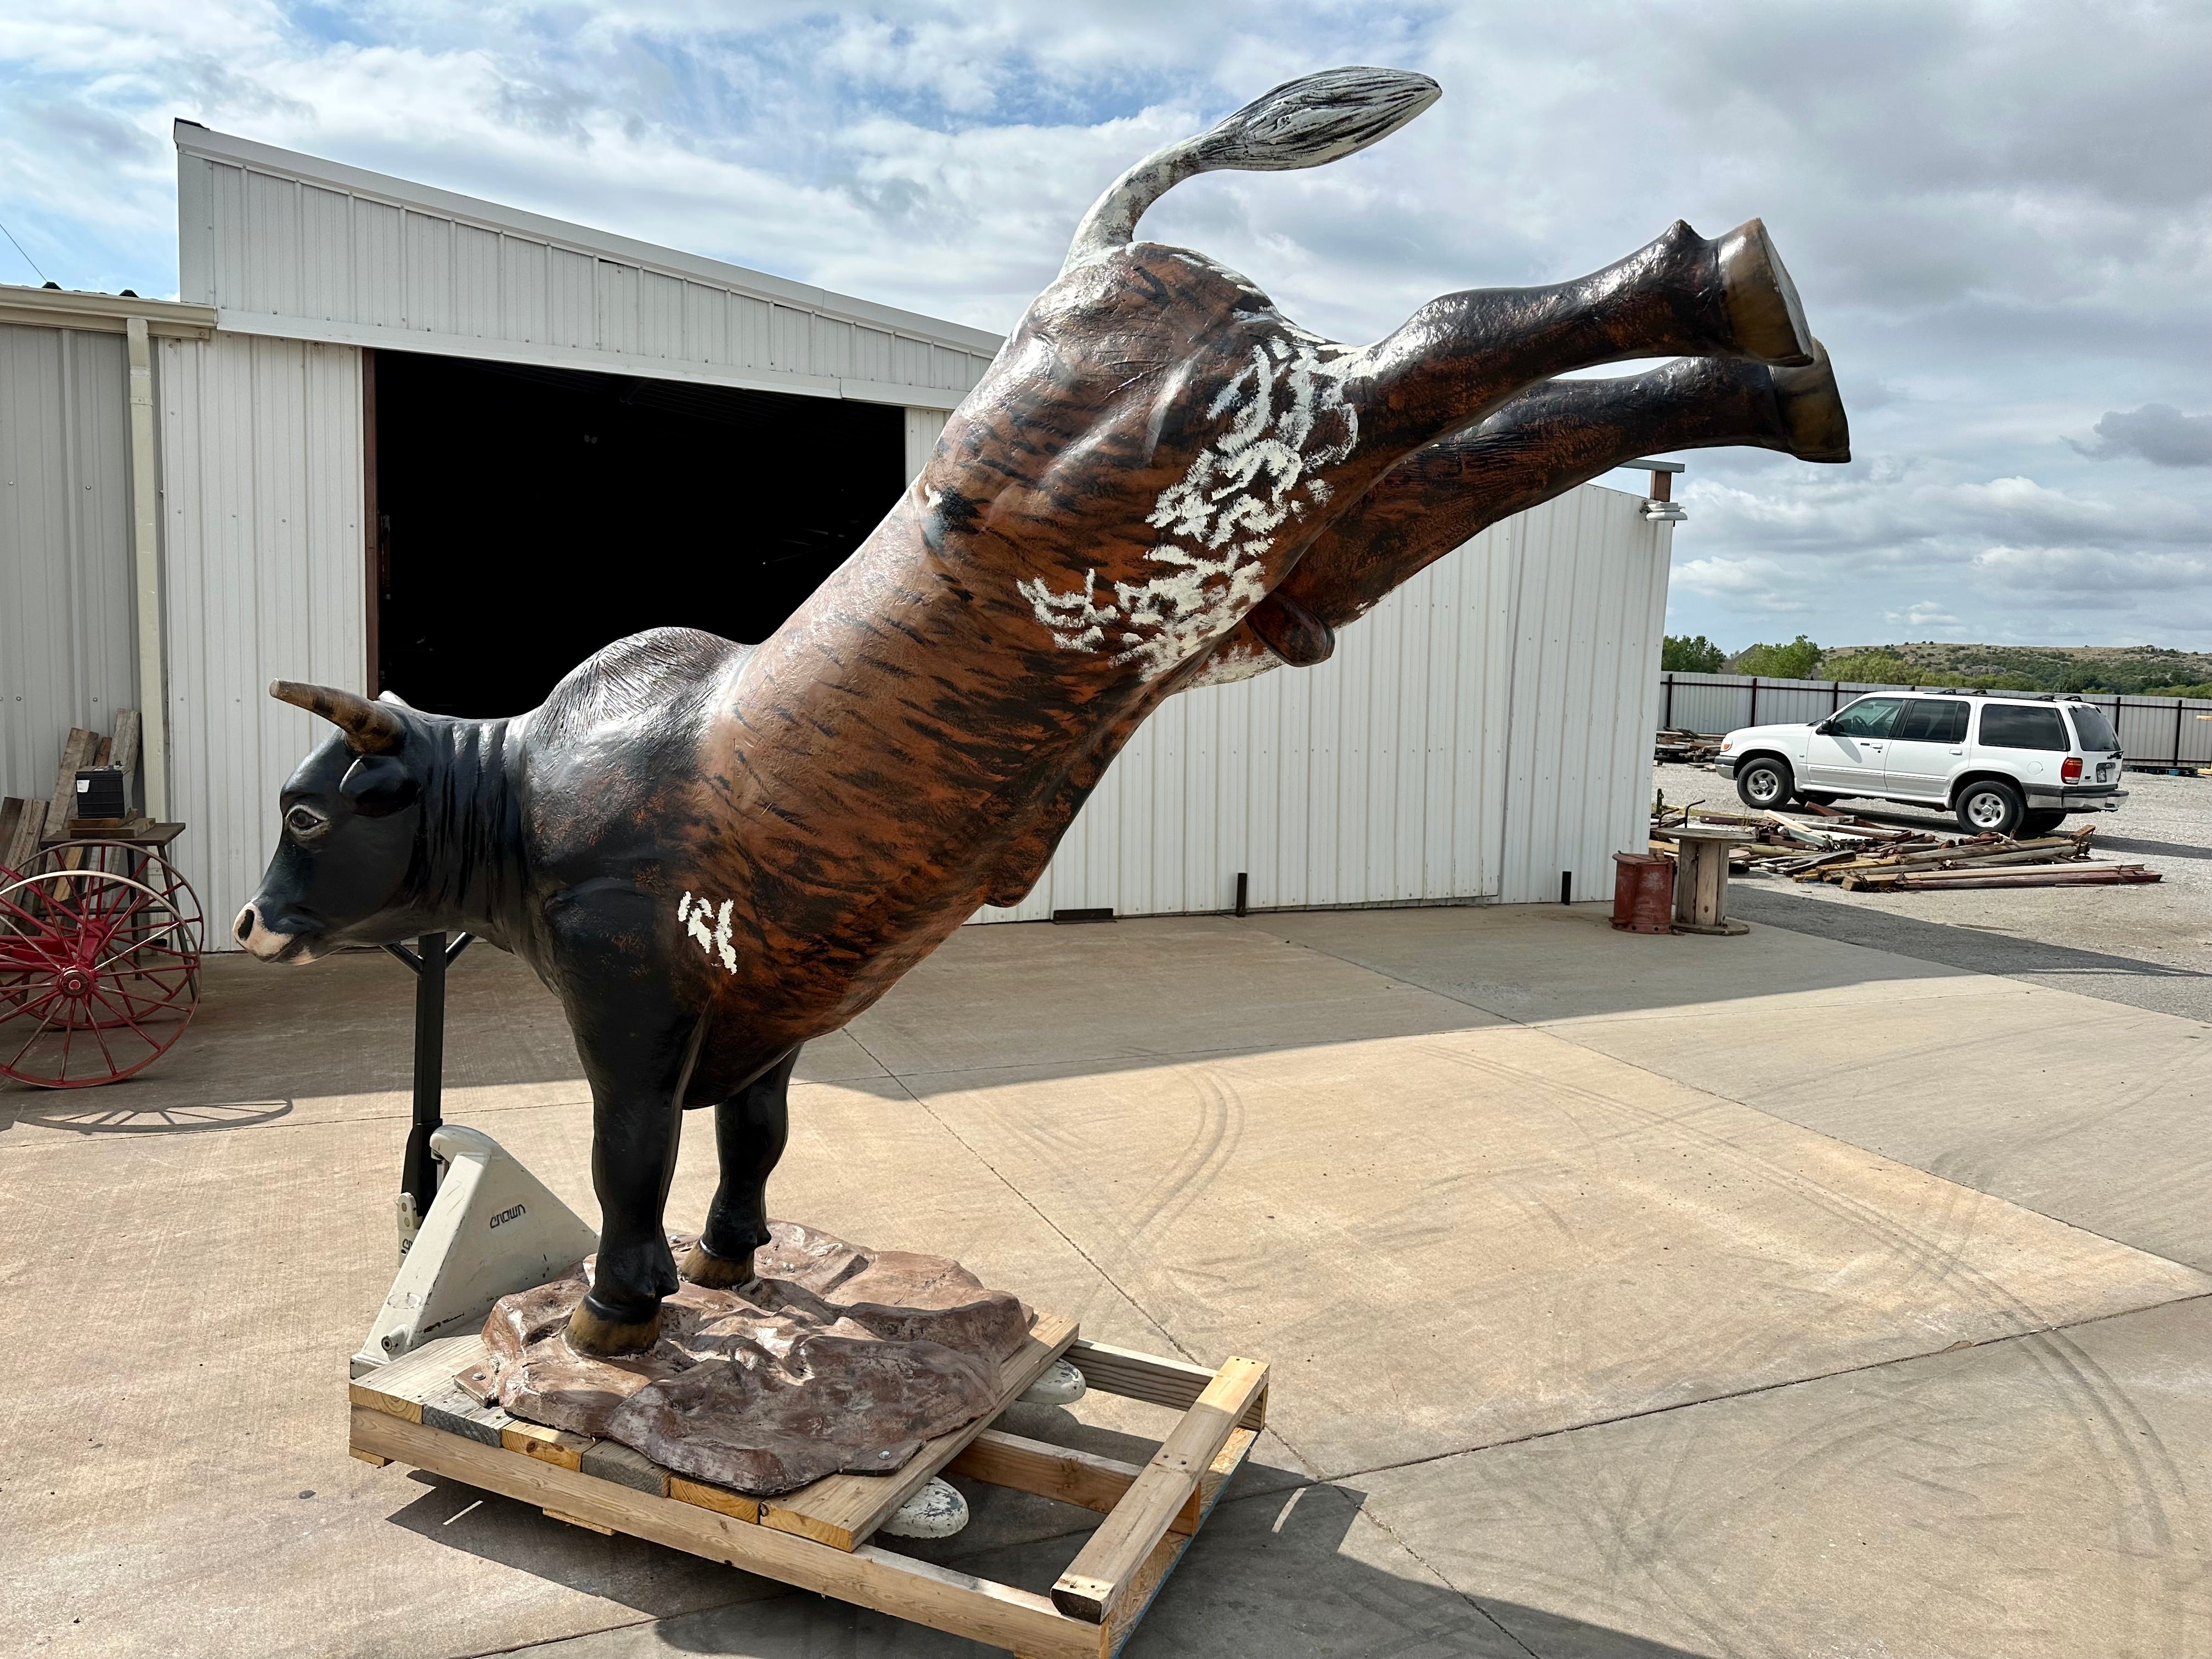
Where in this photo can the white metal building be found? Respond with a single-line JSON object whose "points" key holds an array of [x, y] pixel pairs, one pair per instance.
{"points": [[266, 478]]}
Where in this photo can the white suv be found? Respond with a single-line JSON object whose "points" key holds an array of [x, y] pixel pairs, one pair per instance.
{"points": [[2011, 764]]}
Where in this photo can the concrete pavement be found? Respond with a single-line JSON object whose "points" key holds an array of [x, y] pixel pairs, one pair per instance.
{"points": [[1627, 1297]]}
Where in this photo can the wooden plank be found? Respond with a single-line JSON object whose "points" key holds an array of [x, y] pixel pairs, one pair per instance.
{"points": [[1049, 1471], [898, 1585], [1145, 1584], [1146, 1376], [578, 1521], [452, 1409], [77, 750], [609, 1460], [738, 1505], [842, 1510], [1083, 1479], [122, 749], [400, 1389], [21, 821], [554, 1446], [1103, 1569]]}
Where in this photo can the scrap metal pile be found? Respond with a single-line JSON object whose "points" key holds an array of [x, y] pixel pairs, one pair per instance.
{"points": [[1861, 856], [1685, 747]]}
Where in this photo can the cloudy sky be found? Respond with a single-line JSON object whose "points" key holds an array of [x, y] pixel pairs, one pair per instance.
{"points": [[2000, 216]]}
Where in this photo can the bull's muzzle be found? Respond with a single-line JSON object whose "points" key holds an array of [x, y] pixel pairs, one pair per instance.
{"points": [[252, 932]]}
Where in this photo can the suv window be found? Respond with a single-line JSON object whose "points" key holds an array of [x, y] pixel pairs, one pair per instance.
{"points": [[2015, 725], [1933, 720], [1869, 717], [2094, 729]]}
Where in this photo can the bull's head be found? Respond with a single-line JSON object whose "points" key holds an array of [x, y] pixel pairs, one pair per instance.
{"points": [[351, 813]]}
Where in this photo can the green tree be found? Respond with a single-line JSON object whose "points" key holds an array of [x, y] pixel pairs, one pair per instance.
{"points": [[1880, 668], [1690, 654], [1798, 660], [2203, 691]]}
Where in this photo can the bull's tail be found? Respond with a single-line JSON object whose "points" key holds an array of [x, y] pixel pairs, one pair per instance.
{"points": [[1301, 124]]}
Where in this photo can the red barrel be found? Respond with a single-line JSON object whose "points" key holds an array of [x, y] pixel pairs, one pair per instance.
{"points": [[1643, 893]]}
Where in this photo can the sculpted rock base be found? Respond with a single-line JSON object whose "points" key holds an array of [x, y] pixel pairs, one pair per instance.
{"points": [[834, 1360]]}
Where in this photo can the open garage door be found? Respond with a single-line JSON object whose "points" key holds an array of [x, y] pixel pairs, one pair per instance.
{"points": [[525, 517]]}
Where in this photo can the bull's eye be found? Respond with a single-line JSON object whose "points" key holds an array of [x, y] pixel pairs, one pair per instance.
{"points": [[304, 820]]}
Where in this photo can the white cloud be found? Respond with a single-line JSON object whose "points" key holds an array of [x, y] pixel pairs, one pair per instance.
{"points": [[2157, 433], [1922, 615]]}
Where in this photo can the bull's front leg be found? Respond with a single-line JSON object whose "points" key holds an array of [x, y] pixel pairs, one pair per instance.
{"points": [[638, 1045], [750, 1129]]}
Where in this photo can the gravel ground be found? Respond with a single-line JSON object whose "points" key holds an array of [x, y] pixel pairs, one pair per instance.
{"points": [[2150, 946]]}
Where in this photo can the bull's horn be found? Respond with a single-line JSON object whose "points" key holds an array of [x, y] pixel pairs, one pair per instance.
{"points": [[371, 728]]}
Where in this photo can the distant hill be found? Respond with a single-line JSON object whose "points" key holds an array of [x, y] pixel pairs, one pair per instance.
{"points": [[2134, 668]]}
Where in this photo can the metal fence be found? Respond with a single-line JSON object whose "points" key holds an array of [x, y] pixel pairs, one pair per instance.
{"points": [[2154, 731]]}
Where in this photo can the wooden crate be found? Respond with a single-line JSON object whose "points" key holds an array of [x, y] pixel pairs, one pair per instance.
{"points": [[415, 1412]]}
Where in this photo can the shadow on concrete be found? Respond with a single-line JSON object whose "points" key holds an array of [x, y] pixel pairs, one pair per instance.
{"points": [[2165, 849], [106, 1115], [2128, 979], [659, 1582], [345, 1026]]}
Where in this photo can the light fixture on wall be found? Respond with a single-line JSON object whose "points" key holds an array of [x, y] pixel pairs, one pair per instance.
{"points": [[1661, 506]]}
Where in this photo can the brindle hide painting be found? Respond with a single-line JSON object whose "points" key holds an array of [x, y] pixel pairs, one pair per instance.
{"points": [[713, 852]]}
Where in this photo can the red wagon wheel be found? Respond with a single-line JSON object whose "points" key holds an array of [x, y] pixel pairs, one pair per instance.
{"points": [[99, 976], [140, 864]]}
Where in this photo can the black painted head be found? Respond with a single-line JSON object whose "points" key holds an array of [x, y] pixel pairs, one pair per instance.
{"points": [[352, 817]]}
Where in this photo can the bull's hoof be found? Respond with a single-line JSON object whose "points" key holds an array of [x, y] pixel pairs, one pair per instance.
{"points": [[594, 1333], [1813, 409], [717, 1272], [1765, 320]]}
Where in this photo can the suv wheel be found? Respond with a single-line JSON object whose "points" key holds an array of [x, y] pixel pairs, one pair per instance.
{"points": [[2041, 824], [1764, 783], [1990, 806]]}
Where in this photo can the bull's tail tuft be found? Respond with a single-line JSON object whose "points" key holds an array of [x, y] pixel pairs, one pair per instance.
{"points": [[1303, 122]]}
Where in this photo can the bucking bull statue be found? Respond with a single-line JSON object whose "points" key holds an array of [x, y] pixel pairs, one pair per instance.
{"points": [[715, 852]]}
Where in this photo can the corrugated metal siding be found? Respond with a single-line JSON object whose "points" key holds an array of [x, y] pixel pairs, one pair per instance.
{"points": [[261, 466], [293, 246], [1484, 728], [1589, 624], [67, 639], [923, 428]]}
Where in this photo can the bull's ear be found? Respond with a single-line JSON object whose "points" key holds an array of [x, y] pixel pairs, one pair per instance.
{"points": [[376, 785]]}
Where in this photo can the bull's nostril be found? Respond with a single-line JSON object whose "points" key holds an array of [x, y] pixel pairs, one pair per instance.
{"points": [[244, 929]]}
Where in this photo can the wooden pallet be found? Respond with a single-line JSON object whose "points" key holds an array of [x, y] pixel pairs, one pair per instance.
{"points": [[415, 1412]]}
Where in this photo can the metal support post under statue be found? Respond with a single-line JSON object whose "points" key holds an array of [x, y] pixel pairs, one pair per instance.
{"points": [[418, 1171]]}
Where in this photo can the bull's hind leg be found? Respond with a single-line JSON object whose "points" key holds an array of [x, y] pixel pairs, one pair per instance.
{"points": [[1538, 444], [750, 1131], [1542, 443], [1681, 296]]}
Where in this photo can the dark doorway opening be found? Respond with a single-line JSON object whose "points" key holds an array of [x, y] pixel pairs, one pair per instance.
{"points": [[526, 517]]}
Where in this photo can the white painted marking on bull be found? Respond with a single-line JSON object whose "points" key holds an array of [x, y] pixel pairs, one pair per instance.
{"points": [[1231, 663], [692, 918], [1287, 417]]}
